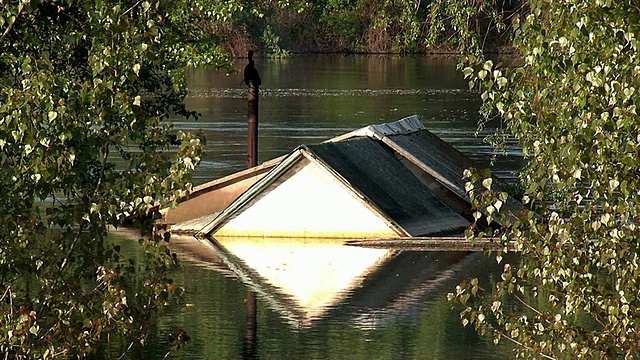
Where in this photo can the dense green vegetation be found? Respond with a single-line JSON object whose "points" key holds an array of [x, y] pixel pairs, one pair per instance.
{"points": [[85, 87], [361, 26], [572, 105]]}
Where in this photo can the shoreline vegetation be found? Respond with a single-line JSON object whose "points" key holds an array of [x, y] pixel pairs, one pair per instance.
{"points": [[400, 27]]}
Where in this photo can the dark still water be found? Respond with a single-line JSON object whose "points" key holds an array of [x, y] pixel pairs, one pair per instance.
{"points": [[325, 300]]}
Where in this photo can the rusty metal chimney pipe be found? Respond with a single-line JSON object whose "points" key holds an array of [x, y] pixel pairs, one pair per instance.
{"points": [[252, 80], [252, 118]]}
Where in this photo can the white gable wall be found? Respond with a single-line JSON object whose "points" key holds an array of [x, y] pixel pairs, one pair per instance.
{"points": [[311, 203]]}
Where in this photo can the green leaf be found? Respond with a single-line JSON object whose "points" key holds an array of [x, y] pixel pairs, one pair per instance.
{"points": [[34, 329], [486, 183]]}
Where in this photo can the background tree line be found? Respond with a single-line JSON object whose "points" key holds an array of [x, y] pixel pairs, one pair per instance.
{"points": [[352, 26]]}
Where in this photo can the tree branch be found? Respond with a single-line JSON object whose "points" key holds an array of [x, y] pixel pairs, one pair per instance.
{"points": [[527, 305], [71, 249], [524, 346], [131, 8]]}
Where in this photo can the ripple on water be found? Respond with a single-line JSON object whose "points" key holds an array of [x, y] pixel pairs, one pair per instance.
{"points": [[241, 93]]}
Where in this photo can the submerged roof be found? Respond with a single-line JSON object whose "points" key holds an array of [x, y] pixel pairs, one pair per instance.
{"points": [[394, 179], [407, 125], [367, 171], [409, 138], [434, 156]]}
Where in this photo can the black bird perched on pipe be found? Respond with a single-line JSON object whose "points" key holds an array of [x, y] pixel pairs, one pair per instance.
{"points": [[250, 72]]}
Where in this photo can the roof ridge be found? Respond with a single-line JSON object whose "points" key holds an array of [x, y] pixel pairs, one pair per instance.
{"points": [[406, 125]]}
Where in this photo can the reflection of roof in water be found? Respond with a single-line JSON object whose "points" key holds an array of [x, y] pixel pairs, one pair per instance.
{"points": [[199, 253], [377, 287], [400, 288], [310, 281], [299, 278]]}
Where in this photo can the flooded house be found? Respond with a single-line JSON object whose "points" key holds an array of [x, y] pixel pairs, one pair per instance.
{"points": [[348, 189], [382, 181], [281, 227]]}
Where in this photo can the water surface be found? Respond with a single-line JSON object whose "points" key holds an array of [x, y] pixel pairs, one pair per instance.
{"points": [[308, 99]]}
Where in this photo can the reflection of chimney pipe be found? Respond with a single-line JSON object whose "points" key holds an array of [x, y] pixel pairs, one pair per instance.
{"points": [[252, 326], [252, 79]]}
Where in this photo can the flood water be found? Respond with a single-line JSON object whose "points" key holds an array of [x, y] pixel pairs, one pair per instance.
{"points": [[325, 300]]}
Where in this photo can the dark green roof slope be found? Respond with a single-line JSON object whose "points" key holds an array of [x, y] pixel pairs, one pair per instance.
{"points": [[446, 163], [373, 170], [442, 161]]}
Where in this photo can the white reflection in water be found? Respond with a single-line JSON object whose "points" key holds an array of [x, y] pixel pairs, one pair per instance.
{"points": [[301, 278], [308, 280]]}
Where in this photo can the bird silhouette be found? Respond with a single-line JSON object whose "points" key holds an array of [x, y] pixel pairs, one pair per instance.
{"points": [[250, 72]]}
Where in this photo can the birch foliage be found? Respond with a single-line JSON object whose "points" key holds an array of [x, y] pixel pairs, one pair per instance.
{"points": [[86, 88], [571, 102]]}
